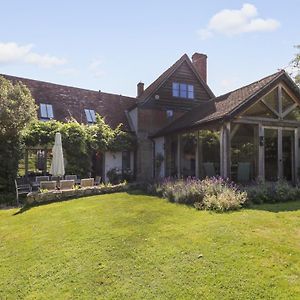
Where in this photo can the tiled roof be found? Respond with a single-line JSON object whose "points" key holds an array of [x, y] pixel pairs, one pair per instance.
{"points": [[70, 102], [223, 106], [155, 85]]}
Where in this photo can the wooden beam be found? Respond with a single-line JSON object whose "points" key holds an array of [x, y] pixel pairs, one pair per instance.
{"points": [[280, 101], [267, 122], [261, 152], [279, 154], [197, 156], [178, 155], [290, 109], [225, 150], [270, 108], [296, 156]]}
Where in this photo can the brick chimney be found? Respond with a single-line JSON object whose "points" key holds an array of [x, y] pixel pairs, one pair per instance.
{"points": [[140, 89], [199, 61]]}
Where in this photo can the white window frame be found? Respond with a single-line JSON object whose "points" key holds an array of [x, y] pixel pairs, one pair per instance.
{"points": [[183, 90], [90, 115], [46, 111]]}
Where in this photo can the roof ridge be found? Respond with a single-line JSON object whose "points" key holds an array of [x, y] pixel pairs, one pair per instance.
{"points": [[61, 85], [164, 74], [249, 84]]}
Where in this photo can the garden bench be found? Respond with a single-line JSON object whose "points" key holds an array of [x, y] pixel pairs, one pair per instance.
{"points": [[22, 189]]}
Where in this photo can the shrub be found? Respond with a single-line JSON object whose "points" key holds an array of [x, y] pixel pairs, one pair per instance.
{"points": [[7, 198], [211, 193], [280, 191], [114, 176], [227, 199], [221, 195]]}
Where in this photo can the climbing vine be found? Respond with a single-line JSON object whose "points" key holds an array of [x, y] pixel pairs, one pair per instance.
{"points": [[79, 140]]}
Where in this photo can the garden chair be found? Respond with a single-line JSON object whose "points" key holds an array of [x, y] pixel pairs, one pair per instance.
{"points": [[243, 172], [22, 189], [87, 182], [38, 179], [97, 180], [67, 184], [209, 169], [55, 178], [48, 185], [73, 177]]}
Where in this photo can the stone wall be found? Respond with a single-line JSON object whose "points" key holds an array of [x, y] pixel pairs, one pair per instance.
{"points": [[54, 196]]}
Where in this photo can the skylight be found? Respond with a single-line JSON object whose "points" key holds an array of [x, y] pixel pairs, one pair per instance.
{"points": [[46, 111], [90, 115]]}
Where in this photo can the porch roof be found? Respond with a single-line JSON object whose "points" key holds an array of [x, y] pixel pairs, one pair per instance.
{"points": [[227, 106]]}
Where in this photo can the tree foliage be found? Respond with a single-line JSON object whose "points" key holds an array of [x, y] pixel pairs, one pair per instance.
{"points": [[79, 141], [296, 66], [17, 109]]}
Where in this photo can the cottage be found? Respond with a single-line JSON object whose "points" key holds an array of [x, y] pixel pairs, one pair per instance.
{"points": [[183, 129]]}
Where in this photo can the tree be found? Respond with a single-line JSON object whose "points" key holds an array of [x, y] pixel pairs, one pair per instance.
{"points": [[296, 66], [17, 110]]}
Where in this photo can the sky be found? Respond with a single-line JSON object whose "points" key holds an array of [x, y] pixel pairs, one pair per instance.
{"points": [[112, 45]]}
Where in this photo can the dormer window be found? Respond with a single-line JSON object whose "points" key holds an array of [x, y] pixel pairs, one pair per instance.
{"points": [[183, 90], [90, 115], [46, 111]]}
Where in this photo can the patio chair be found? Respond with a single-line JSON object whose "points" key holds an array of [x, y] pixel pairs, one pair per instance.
{"points": [[36, 184], [97, 180], [87, 182], [22, 189], [243, 172], [48, 185], [73, 177], [55, 178], [209, 169], [67, 184], [38, 179]]}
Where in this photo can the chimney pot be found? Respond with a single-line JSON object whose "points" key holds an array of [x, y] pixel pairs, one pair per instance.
{"points": [[140, 89], [199, 61]]}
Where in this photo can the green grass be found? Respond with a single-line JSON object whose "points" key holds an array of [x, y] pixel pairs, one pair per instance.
{"points": [[123, 246]]}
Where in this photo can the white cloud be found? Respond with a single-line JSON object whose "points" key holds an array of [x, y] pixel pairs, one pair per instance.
{"points": [[68, 72], [95, 67], [235, 21], [228, 84], [14, 53]]}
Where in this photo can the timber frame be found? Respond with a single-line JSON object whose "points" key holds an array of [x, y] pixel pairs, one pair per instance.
{"points": [[225, 126]]}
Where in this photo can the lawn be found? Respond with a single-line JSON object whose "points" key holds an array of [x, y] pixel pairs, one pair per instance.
{"points": [[132, 246]]}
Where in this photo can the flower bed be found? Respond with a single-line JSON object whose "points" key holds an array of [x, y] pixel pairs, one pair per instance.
{"points": [[59, 195], [210, 194]]}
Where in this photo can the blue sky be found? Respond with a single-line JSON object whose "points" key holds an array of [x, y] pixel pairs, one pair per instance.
{"points": [[112, 45]]}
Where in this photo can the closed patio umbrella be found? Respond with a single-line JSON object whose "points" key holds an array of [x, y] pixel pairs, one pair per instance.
{"points": [[57, 165]]}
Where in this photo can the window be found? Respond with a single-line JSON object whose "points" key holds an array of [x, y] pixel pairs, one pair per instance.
{"points": [[90, 115], [175, 89], [183, 90], [46, 111], [190, 91]]}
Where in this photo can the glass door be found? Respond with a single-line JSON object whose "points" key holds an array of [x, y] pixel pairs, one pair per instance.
{"points": [[279, 153], [271, 154], [287, 154]]}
